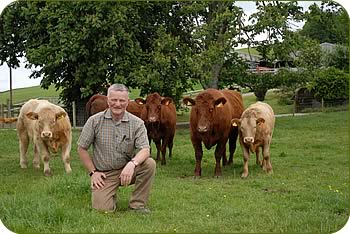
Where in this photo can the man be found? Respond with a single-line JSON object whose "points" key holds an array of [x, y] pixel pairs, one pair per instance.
{"points": [[121, 153]]}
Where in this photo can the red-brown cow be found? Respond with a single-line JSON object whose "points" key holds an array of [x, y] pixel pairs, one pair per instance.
{"points": [[159, 115], [48, 126], [8, 120], [255, 130], [98, 103], [210, 123]]}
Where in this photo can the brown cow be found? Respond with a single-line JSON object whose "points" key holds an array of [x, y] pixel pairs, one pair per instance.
{"points": [[48, 126], [210, 123], [98, 103], [8, 120], [159, 115], [255, 129]]}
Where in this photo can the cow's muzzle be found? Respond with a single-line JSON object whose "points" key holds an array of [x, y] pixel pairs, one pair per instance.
{"points": [[152, 119], [202, 129], [248, 140], [46, 134]]}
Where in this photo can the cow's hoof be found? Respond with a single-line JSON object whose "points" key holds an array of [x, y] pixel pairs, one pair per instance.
{"points": [[196, 177], [244, 176], [218, 176], [47, 173], [23, 166]]}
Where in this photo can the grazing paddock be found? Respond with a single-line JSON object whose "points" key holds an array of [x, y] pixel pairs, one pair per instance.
{"points": [[308, 191]]}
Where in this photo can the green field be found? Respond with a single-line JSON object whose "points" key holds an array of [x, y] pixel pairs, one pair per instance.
{"points": [[307, 193]]}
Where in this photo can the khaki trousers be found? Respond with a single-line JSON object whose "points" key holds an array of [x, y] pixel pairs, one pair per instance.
{"points": [[104, 199]]}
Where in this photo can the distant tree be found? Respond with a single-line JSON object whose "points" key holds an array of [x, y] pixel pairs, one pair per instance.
{"points": [[11, 41], [338, 58], [274, 20], [327, 23], [215, 34]]}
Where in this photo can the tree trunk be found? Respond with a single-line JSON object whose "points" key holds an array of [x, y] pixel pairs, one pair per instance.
{"points": [[260, 94]]}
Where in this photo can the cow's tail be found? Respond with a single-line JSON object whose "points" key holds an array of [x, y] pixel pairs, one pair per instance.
{"points": [[8, 120]]}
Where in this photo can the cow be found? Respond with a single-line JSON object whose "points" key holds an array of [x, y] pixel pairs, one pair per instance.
{"points": [[255, 130], [210, 123], [8, 120], [48, 127], [159, 115], [98, 103]]}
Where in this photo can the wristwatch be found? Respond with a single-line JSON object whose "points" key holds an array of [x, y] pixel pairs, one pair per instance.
{"points": [[92, 172], [134, 162]]}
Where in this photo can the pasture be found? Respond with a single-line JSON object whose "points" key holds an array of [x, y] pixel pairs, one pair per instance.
{"points": [[308, 192]]}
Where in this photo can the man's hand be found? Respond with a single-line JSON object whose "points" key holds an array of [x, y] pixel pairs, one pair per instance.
{"points": [[127, 173], [97, 180]]}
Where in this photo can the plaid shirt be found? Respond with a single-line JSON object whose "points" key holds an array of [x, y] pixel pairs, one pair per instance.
{"points": [[114, 143]]}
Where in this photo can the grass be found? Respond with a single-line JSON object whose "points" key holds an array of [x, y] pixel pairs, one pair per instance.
{"points": [[308, 192], [23, 94]]}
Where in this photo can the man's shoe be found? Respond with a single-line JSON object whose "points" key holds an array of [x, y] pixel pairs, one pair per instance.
{"points": [[141, 210]]}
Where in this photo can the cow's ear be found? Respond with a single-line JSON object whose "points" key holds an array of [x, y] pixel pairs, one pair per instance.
{"points": [[235, 122], [60, 115], [188, 101], [260, 121], [220, 102], [140, 101], [166, 101], [32, 115]]}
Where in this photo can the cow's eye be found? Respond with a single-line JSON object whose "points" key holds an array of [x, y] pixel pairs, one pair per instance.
{"points": [[211, 110]]}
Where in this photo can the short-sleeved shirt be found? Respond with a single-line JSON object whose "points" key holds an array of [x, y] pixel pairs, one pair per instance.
{"points": [[115, 143]]}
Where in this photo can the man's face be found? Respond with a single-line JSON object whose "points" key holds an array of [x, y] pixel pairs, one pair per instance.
{"points": [[117, 102]]}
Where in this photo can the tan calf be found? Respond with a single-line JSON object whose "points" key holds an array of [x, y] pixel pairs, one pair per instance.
{"points": [[255, 130], [48, 126]]}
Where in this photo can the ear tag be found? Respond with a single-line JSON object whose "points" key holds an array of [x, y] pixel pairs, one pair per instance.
{"points": [[59, 117]]}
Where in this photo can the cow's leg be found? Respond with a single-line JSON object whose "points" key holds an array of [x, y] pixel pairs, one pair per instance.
{"points": [[45, 157], [267, 161], [245, 172], [163, 149], [150, 147], [36, 160], [23, 147], [232, 144], [198, 154], [66, 157], [159, 147], [220, 151], [170, 145], [257, 153]]}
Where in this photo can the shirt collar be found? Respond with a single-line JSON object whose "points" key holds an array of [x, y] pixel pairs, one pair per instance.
{"points": [[108, 115]]}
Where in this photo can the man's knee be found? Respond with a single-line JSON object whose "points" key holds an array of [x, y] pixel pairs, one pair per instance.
{"points": [[150, 165], [100, 203]]}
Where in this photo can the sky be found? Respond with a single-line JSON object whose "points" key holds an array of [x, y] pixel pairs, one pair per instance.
{"points": [[20, 76]]}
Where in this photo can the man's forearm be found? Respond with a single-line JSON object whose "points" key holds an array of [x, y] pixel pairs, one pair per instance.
{"points": [[85, 158]]}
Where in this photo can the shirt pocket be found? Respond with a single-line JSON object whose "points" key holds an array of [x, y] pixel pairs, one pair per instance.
{"points": [[126, 146]]}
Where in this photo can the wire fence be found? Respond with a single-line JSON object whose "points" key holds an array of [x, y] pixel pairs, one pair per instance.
{"points": [[304, 102]]}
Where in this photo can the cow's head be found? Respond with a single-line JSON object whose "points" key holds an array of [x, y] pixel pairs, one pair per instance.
{"points": [[247, 127], [47, 119], [205, 108], [153, 106]]}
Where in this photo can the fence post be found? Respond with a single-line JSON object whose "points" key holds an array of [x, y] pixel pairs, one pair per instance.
{"points": [[2, 113], [322, 104], [8, 108], [74, 115]]}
